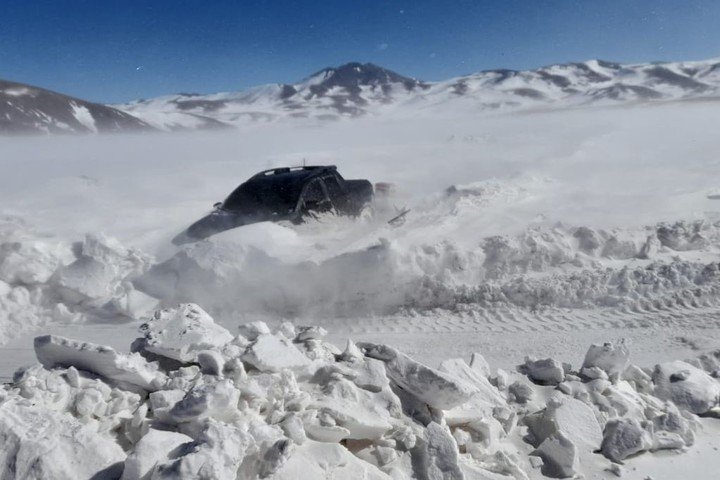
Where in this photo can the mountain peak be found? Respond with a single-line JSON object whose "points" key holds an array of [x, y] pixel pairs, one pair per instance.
{"points": [[355, 74]]}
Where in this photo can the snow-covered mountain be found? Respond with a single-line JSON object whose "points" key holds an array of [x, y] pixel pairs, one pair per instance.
{"points": [[349, 90], [28, 109], [357, 89]]}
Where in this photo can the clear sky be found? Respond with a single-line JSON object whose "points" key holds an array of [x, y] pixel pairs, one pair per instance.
{"points": [[118, 50]]}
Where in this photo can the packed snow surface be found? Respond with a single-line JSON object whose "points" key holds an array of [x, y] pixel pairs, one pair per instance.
{"points": [[530, 237]]}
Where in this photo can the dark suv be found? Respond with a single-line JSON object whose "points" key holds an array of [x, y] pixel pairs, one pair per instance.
{"points": [[288, 193]]}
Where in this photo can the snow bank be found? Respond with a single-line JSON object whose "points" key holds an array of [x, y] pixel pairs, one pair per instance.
{"points": [[195, 401], [46, 281], [544, 267]]}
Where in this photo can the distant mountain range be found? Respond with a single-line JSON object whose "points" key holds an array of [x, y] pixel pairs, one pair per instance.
{"points": [[356, 89]]}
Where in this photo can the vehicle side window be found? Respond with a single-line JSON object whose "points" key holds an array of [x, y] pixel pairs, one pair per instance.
{"points": [[333, 187], [315, 199], [314, 192]]}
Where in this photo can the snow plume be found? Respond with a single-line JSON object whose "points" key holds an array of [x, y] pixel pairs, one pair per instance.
{"points": [[545, 267], [194, 400]]}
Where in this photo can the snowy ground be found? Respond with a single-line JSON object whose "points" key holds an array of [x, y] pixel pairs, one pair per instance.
{"points": [[566, 228]]}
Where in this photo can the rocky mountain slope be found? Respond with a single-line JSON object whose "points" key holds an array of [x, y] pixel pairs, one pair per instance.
{"points": [[28, 109]]}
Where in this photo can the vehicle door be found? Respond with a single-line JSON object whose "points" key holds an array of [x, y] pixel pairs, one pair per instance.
{"points": [[315, 199], [336, 191]]}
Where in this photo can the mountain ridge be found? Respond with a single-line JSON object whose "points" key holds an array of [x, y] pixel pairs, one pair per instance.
{"points": [[357, 89], [29, 109]]}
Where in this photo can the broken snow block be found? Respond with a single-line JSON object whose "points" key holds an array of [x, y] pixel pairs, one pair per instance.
{"points": [[612, 358], [253, 330], [162, 403], [271, 354], [326, 460], [325, 433], [292, 427], [481, 404], [217, 453], [459, 369], [152, 449], [437, 455], [40, 443], [480, 365], [85, 279], [641, 380], [351, 352], [371, 375], [572, 418], [560, 456], [310, 333], [363, 423], [435, 388], [594, 373], [673, 422], [547, 371], [521, 392], [624, 437], [132, 369], [134, 304], [688, 387], [211, 362], [218, 400], [181, 333]]}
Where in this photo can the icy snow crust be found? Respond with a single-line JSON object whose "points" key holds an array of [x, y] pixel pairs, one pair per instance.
{"points": [[286, 404]]}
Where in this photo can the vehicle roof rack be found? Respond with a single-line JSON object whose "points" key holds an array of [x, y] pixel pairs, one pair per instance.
{"points": [[279, 170]]}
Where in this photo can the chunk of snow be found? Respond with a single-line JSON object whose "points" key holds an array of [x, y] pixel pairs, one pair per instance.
{"points": [[271, 354], [612, 358], [438, 454], [361, 422], [53, 351], [478, 363], [546, 371], [435, 388], [181, 333], [218, 400], [521, 392], [253, 330], [482, 403], [41, 443], [309, 333], [688, 387], [325, 460], [560, 456], [624, 437], [154, 448], [570, 417], [85, 279], [217, 452]]}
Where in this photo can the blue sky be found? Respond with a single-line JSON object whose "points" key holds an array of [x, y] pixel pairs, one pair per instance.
{"points": [[111, 51]]}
